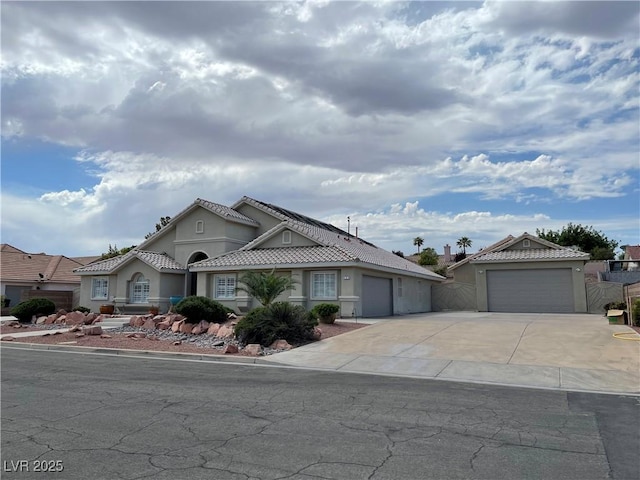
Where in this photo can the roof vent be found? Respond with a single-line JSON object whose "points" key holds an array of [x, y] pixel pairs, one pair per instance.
{"points": [[526, 243]]}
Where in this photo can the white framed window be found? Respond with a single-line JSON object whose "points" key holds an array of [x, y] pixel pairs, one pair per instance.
{"points": [[323, 286], [286, 237], [99, 288], [224, 287], [139, 289], [399, 287], [199, 226]]}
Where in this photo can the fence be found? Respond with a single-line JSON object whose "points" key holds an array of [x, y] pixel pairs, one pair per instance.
{"points": [[453, 296], [601, 293]]}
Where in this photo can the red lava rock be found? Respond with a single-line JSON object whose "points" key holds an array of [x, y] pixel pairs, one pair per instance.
{"points": [[92, 330], [253, 349], [186, 327], [50, 320], [213, 329], [175, 327], [8, 339], [281, 345], [230, 349]]}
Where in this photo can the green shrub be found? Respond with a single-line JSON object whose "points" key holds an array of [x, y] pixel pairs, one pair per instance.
{"points": [[325, 309], [635, 312], [615, 306], [37, 306], [265, 325], [82, 309], [197, 308]]}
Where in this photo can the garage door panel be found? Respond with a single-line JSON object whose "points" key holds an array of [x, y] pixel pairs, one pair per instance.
{"points": [[377, 296], [535, 291]]}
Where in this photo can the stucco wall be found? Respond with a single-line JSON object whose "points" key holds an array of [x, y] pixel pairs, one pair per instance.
{"points": [[297, 240], [266, 221], [465, 274]]}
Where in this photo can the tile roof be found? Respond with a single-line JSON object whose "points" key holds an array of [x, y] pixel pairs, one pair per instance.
{"points": [[531, 254], [159, 261], [225, 211], [632, 252], [19, 266], [335, 247], [277, 256]]}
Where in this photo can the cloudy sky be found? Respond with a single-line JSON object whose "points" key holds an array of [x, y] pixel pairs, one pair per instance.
{"points": [[431, 119]]}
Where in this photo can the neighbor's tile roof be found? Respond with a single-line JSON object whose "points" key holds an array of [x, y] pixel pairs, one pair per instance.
{"points": [[19, 266], [159, 261], [531, 254], [632, 252]]}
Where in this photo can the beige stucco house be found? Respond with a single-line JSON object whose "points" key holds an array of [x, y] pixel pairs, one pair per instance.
{"points": [[525, 274], [205, 249]]}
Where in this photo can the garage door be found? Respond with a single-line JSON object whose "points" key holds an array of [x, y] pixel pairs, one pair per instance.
{"points": [[535, 291], [377, 296]]}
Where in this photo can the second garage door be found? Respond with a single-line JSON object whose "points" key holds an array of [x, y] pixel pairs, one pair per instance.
{"points": [[377, 296], [535, 291]]}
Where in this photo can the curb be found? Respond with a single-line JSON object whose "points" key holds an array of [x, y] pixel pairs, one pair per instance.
{"points": [[135, 353]]}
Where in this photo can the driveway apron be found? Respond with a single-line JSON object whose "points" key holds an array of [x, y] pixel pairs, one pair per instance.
{"points": [[556, 351]]}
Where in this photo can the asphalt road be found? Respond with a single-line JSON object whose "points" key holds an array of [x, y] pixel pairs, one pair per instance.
{"points": [[107, 417]]}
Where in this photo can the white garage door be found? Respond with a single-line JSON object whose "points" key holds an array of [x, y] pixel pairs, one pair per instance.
{"points": [[377, 296], [535, 291]]}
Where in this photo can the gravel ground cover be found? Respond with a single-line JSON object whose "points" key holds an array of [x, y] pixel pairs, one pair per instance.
{"points": [[161, 340]]}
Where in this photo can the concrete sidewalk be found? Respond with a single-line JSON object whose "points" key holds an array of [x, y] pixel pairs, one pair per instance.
{"points": [[567, 352]]}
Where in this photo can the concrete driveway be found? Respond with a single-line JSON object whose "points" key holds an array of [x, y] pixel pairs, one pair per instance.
{"points": [[567, 352]]}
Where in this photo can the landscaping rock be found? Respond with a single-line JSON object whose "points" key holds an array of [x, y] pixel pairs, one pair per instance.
{"points": [[104, 335], [59, 320], [280, 344], [91, 318], [175, 327], [231, 316], [230, 349], [74, 318], [197, 330], [317, 333], [186, 327], [218, 343], [164, 325], [178, 342], [213, 329], [139, 335], [8, 339], [92, 330], [149, 324], [79, 335], [138, 321], [41, 320], [253, 349], [75, 328], [225, 331]]}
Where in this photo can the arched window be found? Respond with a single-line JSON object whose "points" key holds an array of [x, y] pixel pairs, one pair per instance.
{"points": [[139, 289]]}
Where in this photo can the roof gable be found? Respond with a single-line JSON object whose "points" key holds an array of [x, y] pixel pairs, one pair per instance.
{"points": [[226, 213], [20, 266], [632, 252]]}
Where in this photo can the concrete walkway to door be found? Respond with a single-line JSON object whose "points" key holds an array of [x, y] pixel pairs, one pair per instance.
{"points": [[555, 351]]}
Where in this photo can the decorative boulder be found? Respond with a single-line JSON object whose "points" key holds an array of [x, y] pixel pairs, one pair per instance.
{"points": [[230, 349], [74, 318], [196, 330], [92, 330], [149, 324], [253, 349], [175, 327], [213, 329], [280, 345], [185, 327], [317, 334], [164, 325], [225, 331]]}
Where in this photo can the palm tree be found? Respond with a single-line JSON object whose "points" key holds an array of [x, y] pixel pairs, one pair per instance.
{"points": [[418, 241], [265, 287], [464, 242]]}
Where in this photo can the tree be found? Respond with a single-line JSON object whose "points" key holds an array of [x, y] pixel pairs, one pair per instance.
{"points": [[398, 253], [429, 256], [463, 243], [586, 239], [163, 222], [115, 252], [265, 287], [418, 241]]}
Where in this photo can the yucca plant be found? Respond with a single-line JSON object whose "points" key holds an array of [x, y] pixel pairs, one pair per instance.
{"points": [[265, 287]]}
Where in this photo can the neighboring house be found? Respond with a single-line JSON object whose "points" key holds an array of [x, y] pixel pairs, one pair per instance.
{"points": [[525, 274], [625, 271], [205, 248], [24, 272]]}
